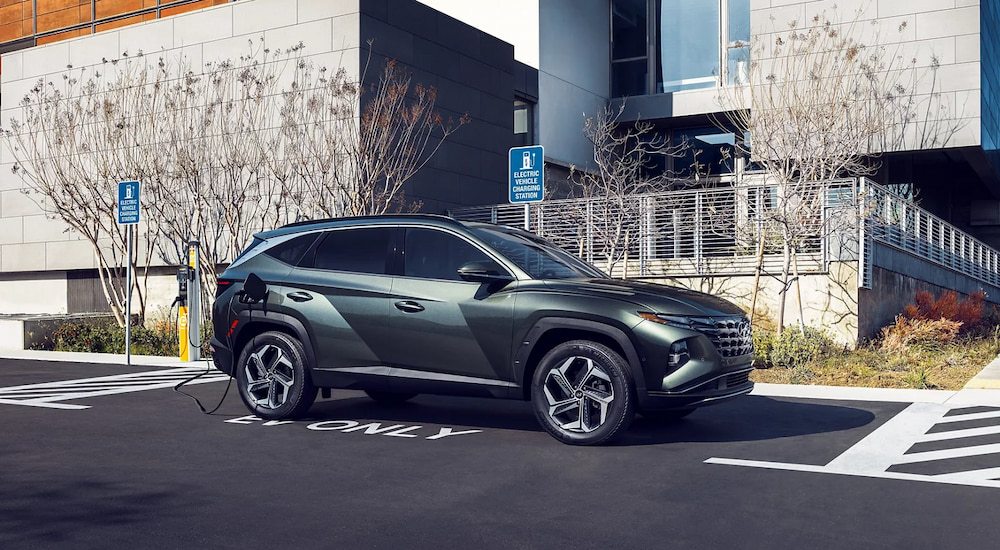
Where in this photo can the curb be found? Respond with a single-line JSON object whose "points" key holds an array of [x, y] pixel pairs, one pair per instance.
{"points": [[852, 393], [102, 358]]}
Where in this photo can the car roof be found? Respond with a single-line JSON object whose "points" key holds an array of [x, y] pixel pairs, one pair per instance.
{"points": [[361, 221]]}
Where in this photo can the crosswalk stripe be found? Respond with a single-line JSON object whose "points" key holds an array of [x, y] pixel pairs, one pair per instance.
{"points": [[959, 434], [967, 417], [944, 454], [876, 454], [51, 394]]}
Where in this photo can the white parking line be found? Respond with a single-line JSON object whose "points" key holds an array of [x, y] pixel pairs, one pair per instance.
{"points": [[887, 446], [52, 394]]}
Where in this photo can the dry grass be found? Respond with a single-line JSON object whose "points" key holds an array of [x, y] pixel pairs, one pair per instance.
{"points": [[922, 363]]}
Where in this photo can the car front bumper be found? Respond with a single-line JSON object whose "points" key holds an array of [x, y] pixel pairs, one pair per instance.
{"points": [[708, 391]]}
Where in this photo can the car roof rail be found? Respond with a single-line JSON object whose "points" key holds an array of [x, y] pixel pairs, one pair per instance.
{"points": [[320, 221]]}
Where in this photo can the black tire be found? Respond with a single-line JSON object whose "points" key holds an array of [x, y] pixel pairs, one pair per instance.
{"points": [[390, 399], [667, 416], [273, 377], [594, 380]]}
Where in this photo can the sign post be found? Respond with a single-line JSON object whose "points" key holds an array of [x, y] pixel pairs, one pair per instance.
{"points": [[128, 215], [527, 178]]}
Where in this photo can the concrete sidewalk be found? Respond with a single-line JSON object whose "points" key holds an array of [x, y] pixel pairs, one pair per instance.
{"points": [[983, 389], [987, 379]]}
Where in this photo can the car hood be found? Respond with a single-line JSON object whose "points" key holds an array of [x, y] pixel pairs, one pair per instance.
{"points": [[655, 298]]}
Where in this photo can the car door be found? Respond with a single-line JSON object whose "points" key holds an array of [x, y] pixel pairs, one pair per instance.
{"points": [[340, 293], [446, 330]]}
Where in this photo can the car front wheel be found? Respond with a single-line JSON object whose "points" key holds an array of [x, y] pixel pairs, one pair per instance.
{"points": [[582, 393], [272, 378]]}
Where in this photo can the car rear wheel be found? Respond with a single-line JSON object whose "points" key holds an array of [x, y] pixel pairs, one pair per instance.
{"points": [[390, 398], [272, 378], [582, 393]]}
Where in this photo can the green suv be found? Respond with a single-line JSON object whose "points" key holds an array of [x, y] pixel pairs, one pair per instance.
{"points": [[401, 305]]}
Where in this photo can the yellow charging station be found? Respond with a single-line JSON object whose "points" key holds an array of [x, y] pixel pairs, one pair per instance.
{"points": [[188, 310], [182, 332]]}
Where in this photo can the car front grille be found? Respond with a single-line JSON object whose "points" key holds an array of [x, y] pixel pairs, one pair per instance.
{"points": [[732, 336]]}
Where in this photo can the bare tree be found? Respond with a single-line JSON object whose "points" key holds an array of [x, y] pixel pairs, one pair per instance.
{"points": [[221, 138], [622, 171], [823, 100], [355, 145], [80, 134], [222, 151]]}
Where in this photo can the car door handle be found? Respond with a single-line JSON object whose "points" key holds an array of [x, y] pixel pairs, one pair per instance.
{"points": [[300, 296], [408, 306]]}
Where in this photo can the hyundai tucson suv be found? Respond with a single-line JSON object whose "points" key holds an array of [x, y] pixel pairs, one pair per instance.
{"points": [[408, 304]]}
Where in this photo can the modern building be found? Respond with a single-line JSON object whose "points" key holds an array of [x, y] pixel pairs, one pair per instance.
{"points": [[526, 71]]}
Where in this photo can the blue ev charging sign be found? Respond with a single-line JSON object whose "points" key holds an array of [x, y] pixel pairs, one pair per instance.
{"points": [[527, 178], [128, 203]]}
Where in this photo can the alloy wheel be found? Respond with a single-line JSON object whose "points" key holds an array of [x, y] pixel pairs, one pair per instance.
{"points": [[579, 393], [270, 376]]}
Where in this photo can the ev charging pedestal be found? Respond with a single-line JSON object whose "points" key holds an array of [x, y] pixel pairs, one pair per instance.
{"points": [[194, 301], [189, 310]]}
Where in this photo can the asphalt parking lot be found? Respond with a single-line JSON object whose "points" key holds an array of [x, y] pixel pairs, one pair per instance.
{"points": [[104, 456]]}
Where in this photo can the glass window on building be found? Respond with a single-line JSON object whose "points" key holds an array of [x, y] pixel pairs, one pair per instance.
{"points": [[710, 152], [660, 46], [738, 42], [688, 43], [629, 47]]}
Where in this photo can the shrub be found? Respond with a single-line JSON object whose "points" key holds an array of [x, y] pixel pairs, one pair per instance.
{"points": [[108, 337], [793, 348], [763, 344], [908, 333], [967, 311]]}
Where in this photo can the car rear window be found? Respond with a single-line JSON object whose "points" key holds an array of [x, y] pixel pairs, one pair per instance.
{"points": [[254, 244], [292, 250]]}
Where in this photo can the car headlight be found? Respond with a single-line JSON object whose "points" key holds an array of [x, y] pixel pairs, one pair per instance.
{"points": [[671, 320]]}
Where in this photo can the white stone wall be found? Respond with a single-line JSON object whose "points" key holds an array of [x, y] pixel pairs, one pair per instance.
{"points": [[946, 29], [29, 240], [31, 293]]}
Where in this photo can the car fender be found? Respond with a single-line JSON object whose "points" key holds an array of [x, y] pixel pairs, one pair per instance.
{"points": [[250, 317], [546, 324]]}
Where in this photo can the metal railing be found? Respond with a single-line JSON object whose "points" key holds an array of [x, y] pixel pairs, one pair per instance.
{"points": [[717, 231], [895, 221], [695, 232]]}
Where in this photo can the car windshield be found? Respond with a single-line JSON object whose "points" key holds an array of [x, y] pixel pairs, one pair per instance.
{"points": [[537, 257]]}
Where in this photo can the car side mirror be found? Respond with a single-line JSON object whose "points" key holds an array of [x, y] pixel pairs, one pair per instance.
{"points": [[254, 288], [484, 272]]}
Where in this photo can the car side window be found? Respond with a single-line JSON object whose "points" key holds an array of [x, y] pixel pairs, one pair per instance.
{"points": [[432, 254], [355, 250]]}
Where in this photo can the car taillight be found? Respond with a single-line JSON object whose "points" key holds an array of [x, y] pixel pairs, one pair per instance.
{"points": [[221, 286]]}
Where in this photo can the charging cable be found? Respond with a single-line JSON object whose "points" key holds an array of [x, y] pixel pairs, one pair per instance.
{"points": [[208, 369]]}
